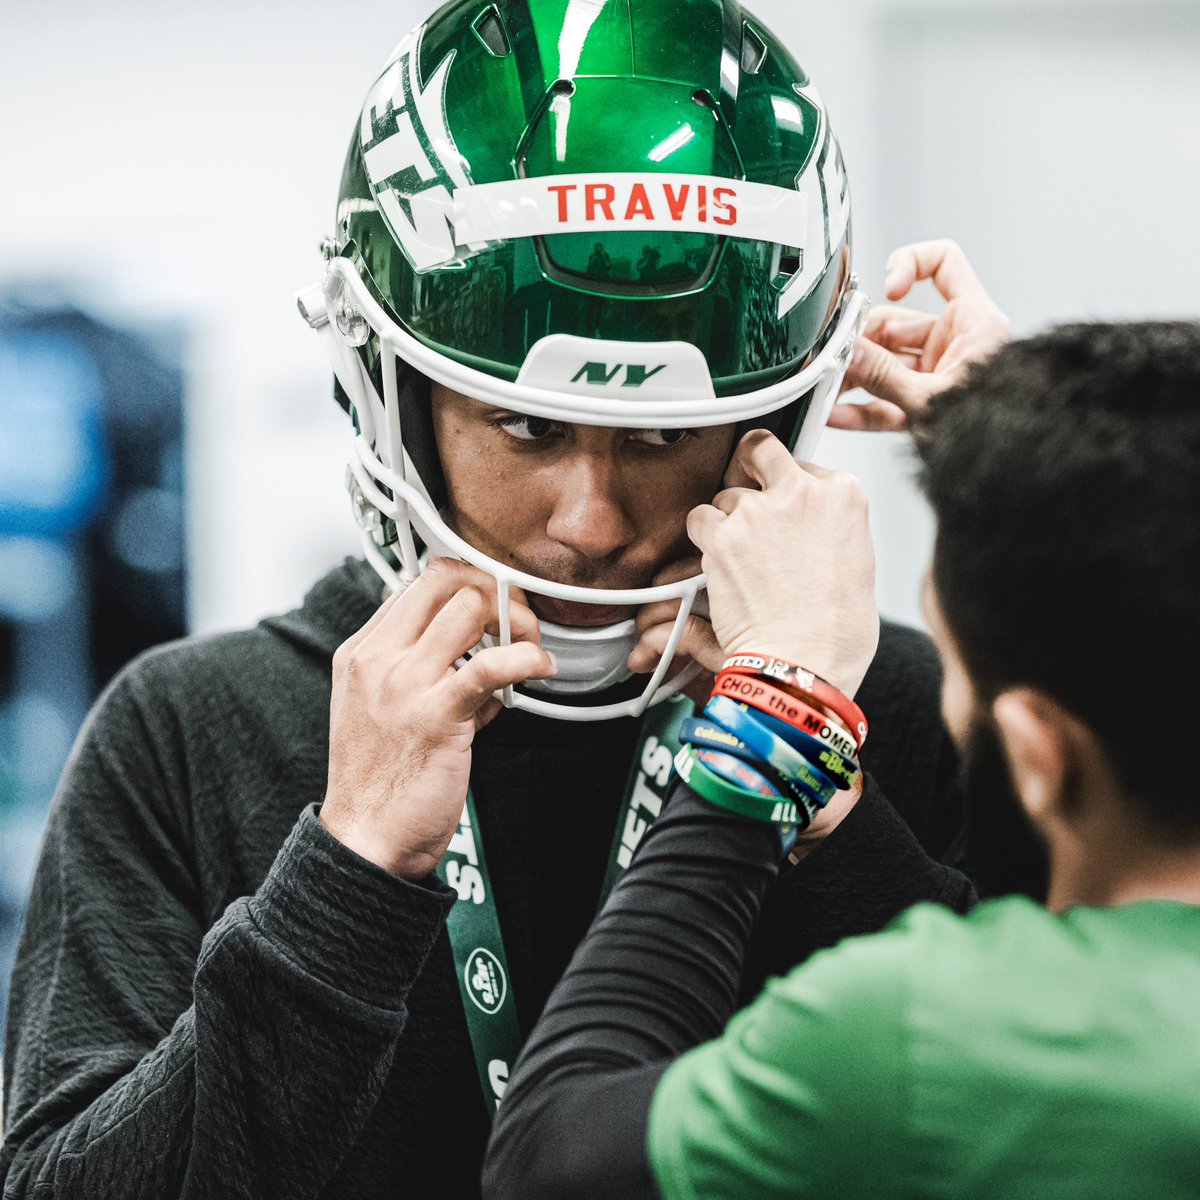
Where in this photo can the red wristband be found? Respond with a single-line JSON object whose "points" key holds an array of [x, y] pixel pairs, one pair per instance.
{"points": [[775, 702], [823, 692]]}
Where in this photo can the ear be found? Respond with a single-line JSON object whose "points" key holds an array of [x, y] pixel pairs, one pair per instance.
{"points": [[1042, 742]]}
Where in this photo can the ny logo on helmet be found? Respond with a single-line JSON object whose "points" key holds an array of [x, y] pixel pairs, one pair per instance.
{"points": [[601, 374]]}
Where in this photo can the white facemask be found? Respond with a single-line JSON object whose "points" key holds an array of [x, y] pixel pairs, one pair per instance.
{"points": [[346, 315]]}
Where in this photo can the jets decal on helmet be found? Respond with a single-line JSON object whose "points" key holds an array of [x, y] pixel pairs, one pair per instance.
{"points": [[411, 160], [425, 192], [824, 175]]}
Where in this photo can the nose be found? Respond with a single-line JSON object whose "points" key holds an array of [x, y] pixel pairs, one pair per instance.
{"points": [[589, 514]]}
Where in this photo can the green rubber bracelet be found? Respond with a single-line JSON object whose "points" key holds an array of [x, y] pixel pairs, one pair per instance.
{"points": [[768, 809]]}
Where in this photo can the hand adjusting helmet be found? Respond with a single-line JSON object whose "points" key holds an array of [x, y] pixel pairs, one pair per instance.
{"points": [[624, 214]]}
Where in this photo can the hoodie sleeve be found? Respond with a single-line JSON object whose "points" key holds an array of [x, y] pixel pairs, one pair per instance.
{"points": [[148, 1056]]}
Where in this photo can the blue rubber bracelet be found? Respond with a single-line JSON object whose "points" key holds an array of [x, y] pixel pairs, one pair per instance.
{"points": [[842, 771], [704, 734], [786, 759]]}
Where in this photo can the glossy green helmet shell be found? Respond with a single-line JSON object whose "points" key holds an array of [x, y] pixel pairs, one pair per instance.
{"points": [[642, 109]]}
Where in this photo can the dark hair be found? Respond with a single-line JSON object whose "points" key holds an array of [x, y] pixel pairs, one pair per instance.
{"points": [[1065, 477]]}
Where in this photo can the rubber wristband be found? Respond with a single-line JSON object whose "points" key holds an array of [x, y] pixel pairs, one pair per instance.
{"points": [[785, 707], [785, 813], [841, 772], [710, 786], [738, 772], [770, 667], [707, 735], [786, 819], [792, 767], [778, 810], [799, 737], [821, 690], [720, 791], [789, 685]]}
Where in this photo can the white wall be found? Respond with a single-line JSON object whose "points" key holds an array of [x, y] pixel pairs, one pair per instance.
{"points": [[182, 162]]}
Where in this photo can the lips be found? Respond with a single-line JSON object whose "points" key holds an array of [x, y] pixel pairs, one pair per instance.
{"points": [[571, 613]]}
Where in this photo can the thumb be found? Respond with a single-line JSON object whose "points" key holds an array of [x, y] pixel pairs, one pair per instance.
{"points": [[884, 376], [697, 642]]}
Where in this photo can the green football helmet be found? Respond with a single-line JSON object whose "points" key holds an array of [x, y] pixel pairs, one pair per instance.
{"points": [[627, 214]]}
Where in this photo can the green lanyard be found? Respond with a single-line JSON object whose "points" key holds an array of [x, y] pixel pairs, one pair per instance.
{"points": [[474, 927]]}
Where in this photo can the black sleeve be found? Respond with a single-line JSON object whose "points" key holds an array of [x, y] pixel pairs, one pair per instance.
{"points": [[659, 972], [858, 880], [147, 1056]]}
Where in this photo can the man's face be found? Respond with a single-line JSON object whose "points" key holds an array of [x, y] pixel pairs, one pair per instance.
{"points": [[577, 504], [959, 704], [1004, 853]]}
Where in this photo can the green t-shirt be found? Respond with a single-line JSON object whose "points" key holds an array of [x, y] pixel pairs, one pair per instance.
{"points": [[1014, 1053]]}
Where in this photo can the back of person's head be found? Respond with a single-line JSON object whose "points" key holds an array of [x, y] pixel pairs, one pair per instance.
{"points": [[1065, 477]]}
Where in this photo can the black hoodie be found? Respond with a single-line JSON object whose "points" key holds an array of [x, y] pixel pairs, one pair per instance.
{"points": [[213, 997]]}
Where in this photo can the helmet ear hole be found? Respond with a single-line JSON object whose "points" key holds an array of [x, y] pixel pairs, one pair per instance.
{"points": [[339, 395], [420, 440]]}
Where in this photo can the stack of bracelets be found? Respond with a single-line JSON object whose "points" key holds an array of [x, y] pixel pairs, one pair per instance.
{"points": [[775, 743]]}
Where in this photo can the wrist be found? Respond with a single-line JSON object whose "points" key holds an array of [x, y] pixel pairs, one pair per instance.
{"points": [[838, 809], [846, 676], [369, 844]]}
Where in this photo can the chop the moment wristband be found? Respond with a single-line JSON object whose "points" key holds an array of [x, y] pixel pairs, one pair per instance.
{"points": [[835, 768], [705, 782], [796, 770], [775, 702], [790, 675]]}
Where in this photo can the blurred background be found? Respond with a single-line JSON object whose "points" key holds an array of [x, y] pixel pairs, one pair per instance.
{"points": [[170, 457]]}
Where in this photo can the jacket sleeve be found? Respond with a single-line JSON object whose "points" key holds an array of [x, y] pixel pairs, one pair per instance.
{"points": [[148, 1056]]}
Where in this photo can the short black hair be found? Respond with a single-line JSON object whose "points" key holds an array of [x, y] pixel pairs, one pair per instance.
{"points": [[1064, 474]]}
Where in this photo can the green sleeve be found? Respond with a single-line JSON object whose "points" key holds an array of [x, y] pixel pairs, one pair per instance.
{"points": [[803, 1093]]}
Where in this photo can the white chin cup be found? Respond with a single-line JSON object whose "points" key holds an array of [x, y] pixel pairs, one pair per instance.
{"points": [[589, 660]]}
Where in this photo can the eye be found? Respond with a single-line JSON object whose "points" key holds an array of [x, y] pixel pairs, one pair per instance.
{"points": [[525, 429], [662, 437]]}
